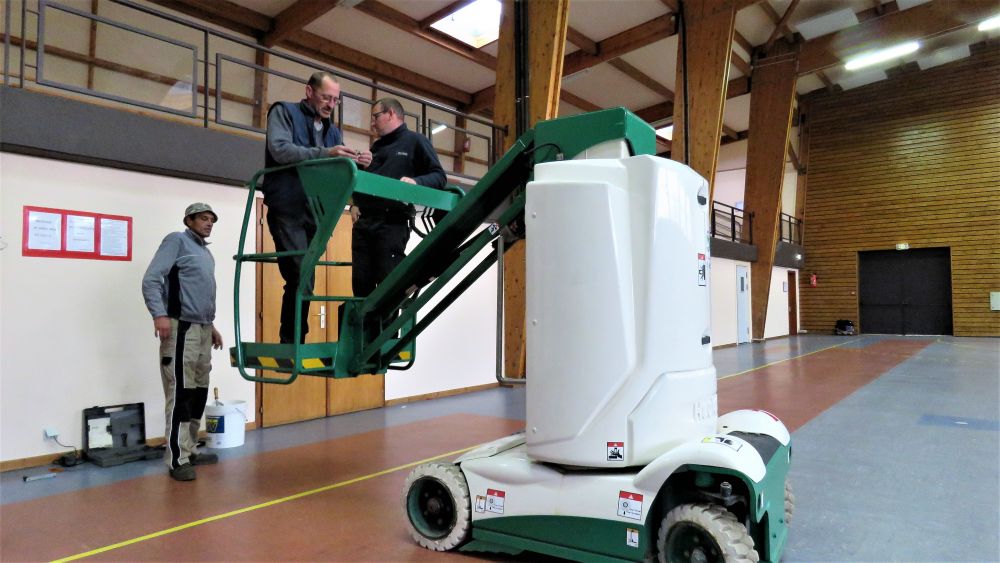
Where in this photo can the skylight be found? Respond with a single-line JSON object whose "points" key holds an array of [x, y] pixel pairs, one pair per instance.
{"points": [[476, 24]]}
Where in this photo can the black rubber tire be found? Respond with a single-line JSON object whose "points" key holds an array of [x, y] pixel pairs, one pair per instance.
{"points": [[436, 503], [703, 533]]}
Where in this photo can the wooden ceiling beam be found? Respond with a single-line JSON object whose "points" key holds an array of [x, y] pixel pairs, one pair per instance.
{"points": [[610, 48], [401, 21], [658, 112], [825, 80], [443, 12], [296, 17], [782, 23], [227, 14], [621, 43], [739, 63], [333, 53], [743, 42], [930, 19], [577, 101], [582, 41], [872, 13], [641, 77], [776, 19], [249, 22], [671, 5]]}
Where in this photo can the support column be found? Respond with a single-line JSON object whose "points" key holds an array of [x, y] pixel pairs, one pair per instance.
{"points": [[771, 103], [263, 59], [703, 52], [546, 27]]}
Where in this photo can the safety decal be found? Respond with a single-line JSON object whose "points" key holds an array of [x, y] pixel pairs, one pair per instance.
{"points": [[630, 505], [631, 537], [702, 269], [480, 503], [493, 228], [494, 500], [724, 440], [616, 451]]}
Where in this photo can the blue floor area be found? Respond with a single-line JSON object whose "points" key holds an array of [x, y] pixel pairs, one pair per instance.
{"points": [[891, 473], [905, 469]]}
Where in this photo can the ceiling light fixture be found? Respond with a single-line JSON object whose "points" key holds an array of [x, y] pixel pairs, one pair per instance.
{"points": [[882, 55], [438, 129], [992, 23]]}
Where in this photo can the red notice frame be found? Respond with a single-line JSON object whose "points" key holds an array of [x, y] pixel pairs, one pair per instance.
{"points": [[62, 252]]}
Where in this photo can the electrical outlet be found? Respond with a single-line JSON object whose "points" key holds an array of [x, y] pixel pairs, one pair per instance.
{"points": [[51, 432]]}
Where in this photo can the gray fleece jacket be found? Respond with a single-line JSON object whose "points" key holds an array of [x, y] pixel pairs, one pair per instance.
{"points": [[180, 280]]}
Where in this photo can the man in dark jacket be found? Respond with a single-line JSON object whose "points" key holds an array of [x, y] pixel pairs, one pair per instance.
{"points": [[296, 132], [381, 226]]}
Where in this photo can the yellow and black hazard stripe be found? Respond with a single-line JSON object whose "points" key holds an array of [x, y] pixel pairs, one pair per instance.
{"points": [[268, 362]]}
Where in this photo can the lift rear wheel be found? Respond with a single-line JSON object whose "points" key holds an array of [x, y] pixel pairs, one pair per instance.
{"points": [[703, 533], [436, 501]]}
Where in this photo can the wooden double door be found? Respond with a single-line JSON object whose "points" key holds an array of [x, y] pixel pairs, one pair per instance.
{"points": [[310, 397]]}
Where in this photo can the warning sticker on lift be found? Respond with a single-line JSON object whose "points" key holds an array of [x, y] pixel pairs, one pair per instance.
{"points": [[630, 505], [480, 503], [734, 443], [494, 500], [616, 451], [632, 537], [702, 269]]}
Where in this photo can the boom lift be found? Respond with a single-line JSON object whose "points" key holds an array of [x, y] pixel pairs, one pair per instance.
{"points": [[624, 457]]}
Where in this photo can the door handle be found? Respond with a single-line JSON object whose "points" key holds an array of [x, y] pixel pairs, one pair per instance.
{"points": [[322, 316]]}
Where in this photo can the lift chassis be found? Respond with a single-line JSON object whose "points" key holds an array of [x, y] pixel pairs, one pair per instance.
{"points": [[624, 456]]}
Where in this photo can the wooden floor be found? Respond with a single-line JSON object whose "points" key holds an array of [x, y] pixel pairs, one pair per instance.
{"points": [[340, 499]]}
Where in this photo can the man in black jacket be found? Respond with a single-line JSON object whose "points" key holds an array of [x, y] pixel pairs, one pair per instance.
{"points": [[296, 132], [381, 226]]}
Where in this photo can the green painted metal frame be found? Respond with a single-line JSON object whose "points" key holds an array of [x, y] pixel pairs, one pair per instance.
{"points": [[377, 329]]}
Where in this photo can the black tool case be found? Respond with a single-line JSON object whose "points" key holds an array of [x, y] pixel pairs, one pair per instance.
{"points": [[117, 434]]}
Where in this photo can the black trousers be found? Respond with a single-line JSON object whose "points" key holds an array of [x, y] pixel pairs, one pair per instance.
{"points": [[377, 246], [292, 231]]}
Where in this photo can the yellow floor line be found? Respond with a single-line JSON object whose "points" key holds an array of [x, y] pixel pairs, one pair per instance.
{"points": [[169, 531], [788, 359]]}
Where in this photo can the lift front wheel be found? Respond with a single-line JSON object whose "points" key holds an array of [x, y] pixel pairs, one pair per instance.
{"points": [[703, 533], [436, 501]]}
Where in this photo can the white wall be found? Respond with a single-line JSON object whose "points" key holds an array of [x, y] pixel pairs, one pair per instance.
{"points": [[76, 332], [723, 284], [458, 350], [776, 323]]}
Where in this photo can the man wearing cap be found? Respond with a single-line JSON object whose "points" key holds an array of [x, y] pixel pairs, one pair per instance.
{"points": [[297, 132], [179, 289]]}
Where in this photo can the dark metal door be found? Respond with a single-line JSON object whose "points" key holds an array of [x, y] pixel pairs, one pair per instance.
{"points": [[905, 291]]}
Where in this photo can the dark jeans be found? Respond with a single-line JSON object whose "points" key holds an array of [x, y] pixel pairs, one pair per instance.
{"points": [[292, 231], [377, 246]]}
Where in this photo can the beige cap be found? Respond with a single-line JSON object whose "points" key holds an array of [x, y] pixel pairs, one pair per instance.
{"points": [[199, 207]]}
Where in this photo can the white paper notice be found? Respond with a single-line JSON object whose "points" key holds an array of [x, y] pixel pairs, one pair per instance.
{"points": [[44, 231], [114, 237], [79, 233], [99, 433]]}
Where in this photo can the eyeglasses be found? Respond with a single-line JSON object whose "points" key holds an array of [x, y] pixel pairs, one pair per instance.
{"points": [[378, 113], [330, 100]]}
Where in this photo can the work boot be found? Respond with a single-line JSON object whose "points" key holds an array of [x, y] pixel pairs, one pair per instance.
{"points": [[204, 459], [183, 473]]}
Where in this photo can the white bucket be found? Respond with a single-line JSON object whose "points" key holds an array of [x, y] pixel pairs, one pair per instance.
{"points": [[225, 423]]}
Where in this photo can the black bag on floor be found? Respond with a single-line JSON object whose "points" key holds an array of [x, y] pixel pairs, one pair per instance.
{"points": [[844, 327]]}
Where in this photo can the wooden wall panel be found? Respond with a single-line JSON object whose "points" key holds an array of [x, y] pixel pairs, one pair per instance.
{"points": [[913, 159]]}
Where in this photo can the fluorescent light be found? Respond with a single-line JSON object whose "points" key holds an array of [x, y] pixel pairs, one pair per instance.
{"points": [[438, 129], [476, 24], [666, 132], [882, 55], [992, 23]]}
